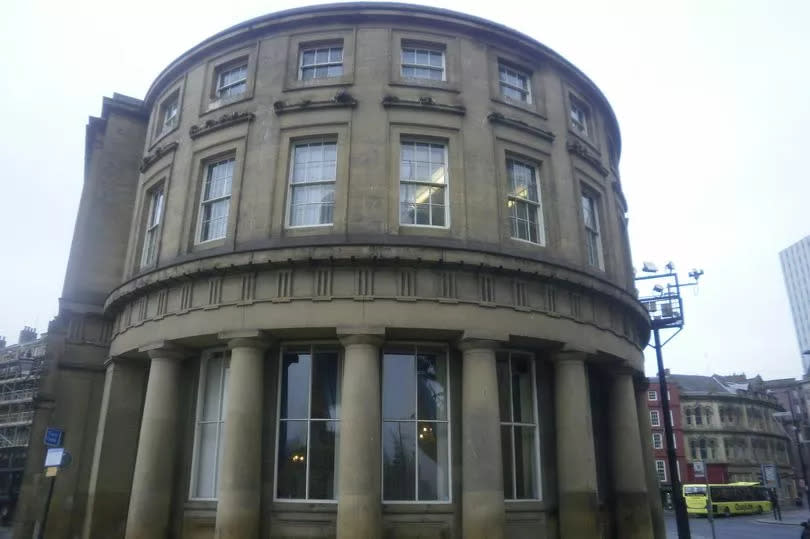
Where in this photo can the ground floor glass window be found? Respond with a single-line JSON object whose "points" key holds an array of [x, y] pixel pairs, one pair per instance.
{"points": [[415, 430], [519, 436], [309, 423], [212, 397]]}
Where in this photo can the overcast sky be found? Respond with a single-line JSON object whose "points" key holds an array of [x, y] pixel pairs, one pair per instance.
{"points": [[713, 101]]}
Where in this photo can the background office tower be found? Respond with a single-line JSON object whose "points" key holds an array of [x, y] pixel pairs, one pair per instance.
{"points": [[796, 269]]}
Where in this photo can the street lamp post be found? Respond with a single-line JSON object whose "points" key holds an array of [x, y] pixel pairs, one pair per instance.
{"points": [[665, 308]]}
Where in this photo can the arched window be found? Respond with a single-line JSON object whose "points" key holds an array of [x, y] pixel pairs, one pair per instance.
{"points": [[693, 449], [698, 416], [713, 449], [703, 452], [688, 416]]}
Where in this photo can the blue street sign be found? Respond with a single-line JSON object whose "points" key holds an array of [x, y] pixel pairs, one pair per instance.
{"points": [[53, 437]]}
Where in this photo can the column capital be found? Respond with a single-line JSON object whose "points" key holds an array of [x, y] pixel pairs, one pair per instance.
{"points": [[571, 354], [349, 335], [247, 338], [165, 350]]}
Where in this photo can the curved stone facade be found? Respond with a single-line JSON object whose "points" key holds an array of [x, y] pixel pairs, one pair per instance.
{"points": [[378, 265]]}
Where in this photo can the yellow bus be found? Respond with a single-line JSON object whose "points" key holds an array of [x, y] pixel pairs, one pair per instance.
{"points": [[729, 499]]}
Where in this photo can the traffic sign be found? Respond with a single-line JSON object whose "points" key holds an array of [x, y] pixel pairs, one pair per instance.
{"points": [[53, 437]]}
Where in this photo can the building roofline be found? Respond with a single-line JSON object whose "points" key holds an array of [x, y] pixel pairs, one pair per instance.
{"points": [[308, 15]]}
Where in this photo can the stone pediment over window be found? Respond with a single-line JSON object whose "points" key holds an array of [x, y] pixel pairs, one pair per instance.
{"points": [[158, 152], [226, 120], [579, 149], [423, 103], [339, 100]]}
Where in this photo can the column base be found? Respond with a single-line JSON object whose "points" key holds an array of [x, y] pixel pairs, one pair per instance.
{"points": [[633, 515], [579, 515], [483, 515], [359, 517]]}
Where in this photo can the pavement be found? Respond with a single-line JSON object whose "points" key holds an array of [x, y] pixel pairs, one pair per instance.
{"points": [[743, 527], [5, 532]]}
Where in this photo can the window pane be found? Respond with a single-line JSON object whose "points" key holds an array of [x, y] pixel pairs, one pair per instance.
{"points": [[522, 404], [295, 369], [432, 384], [502, 368], [323, 458], [292, 459], [506, 454], [206, 480], [325, 385], [212, 390], [525, 472], [399, 454], [433, 462], [399, 385]]}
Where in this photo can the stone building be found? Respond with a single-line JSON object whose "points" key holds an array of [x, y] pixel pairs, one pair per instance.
{"points": [[21, 366], [728, 422], [354, 270]]}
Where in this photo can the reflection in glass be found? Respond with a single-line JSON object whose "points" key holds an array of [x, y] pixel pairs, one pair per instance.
{"points": [[325, 385], [399, 460], [522, 401], [294, 384], [431, 384], [292, 459], [399, 391], [525, 473], [506, 454], [433, 461], [206, 480], [323, 458]]}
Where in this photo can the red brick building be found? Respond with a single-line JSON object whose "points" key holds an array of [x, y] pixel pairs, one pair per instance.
{"points": [[659, 441]]}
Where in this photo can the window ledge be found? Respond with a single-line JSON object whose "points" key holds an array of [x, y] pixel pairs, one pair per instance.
{"points": [[439, 507], [423, 103], [226, 120], [498, 118], [155, 156], [342, 99]]}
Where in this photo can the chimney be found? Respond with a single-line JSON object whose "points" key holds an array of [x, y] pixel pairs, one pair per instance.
{"points": [[28, 334]]}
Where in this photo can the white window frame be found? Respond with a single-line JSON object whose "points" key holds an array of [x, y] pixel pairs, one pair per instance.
{"points": [[312, 346], [225, 69], [416, 420], [655, 418], [593, 235], [320, 47], [580, 115], [661, 469], [652, 395], [169, 113], [537, 206], [658, 440], [154, 218], [291, 186], [208, 169], [445, 186], [535, 425], [674, 443], [525, 91], [428, 66], [204, 358]]}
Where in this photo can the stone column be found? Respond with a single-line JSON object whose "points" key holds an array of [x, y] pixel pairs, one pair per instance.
{"points": [[482, 506], [633, 519], [576, 459], [360, 458], [115, 449], [240, 479], [152, 481], [651, 476]]}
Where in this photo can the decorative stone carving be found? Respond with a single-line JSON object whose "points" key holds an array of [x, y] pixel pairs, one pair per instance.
{"points": [[226, 120], [341, 99], [579, 149], [159, 152], [498, 118], [423, 103]]}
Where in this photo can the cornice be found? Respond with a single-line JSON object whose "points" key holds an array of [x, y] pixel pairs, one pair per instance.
{"points": [[577, 148], [498, 118], [342, 99], [214, 124], [423, 103], [157, 154]]}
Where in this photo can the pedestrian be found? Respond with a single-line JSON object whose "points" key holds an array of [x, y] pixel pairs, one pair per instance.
{"points": [[777, 511]]}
